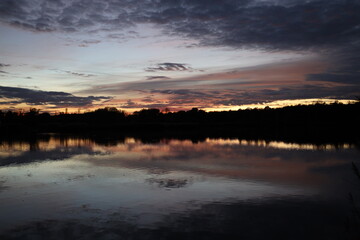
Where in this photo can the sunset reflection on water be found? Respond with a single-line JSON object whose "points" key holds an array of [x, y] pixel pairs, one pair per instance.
{"points": [[145, 181]]}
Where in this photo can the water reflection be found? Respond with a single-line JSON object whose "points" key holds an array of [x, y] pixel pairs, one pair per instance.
{"points": [[141, 185]]}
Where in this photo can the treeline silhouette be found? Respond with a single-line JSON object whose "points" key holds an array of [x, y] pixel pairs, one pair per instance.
{"points": [[319, 121]]}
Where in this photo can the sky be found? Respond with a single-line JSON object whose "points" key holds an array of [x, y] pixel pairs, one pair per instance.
{"points": [[177, 54]]}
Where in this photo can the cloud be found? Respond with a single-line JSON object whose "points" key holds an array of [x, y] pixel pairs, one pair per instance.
{"points": [[265, 24], [227, 97], [182, 92], [143, 103], [330, 28], [86, 43], [274, 75], [125, 35], [233, 87], [66, 15], [167, 66], [157, 78], [79, 74], [289, 93], [130, 104], [4, 65], [345, 67], [73, 73], [207, 98], [270, 25], [37, 97]]}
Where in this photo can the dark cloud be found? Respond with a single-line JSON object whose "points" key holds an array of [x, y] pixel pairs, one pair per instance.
{"points": [[167, 66], [66, 15], [265, 24], [340, 77], [37, 97], [345, 67], [157, 78]]}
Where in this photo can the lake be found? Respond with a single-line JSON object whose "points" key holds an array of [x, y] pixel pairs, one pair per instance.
{"points": [[58, 187]]}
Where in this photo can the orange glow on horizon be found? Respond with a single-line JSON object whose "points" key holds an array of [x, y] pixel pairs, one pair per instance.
{"points": [[118, 105], [279, 104]]}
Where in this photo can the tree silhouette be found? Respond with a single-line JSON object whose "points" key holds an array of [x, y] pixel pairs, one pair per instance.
{"points": [[326, 121]]}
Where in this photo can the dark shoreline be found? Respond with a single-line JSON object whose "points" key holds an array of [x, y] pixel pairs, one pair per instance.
{"points": [[318, 124]]}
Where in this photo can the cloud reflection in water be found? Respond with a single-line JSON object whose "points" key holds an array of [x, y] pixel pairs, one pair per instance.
{"points": [[142, 184]]}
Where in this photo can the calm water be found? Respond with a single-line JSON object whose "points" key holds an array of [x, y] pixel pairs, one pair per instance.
{"points": [[72, 188]]}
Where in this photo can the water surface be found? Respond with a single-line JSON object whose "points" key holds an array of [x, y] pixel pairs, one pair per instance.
{"points": [[80, 188]]}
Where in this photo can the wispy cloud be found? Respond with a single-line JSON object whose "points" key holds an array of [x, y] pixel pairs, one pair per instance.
{"points": [[2, 65], [79, 74], [167, 66], [234, 87], [86, 43], [157, 78], [270, 75]]}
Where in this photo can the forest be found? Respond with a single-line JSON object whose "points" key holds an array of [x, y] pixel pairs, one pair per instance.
{"points": [[330, 122]]}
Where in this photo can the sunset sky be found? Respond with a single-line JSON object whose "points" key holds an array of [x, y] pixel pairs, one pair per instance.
{"points": [[177, 54]]}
